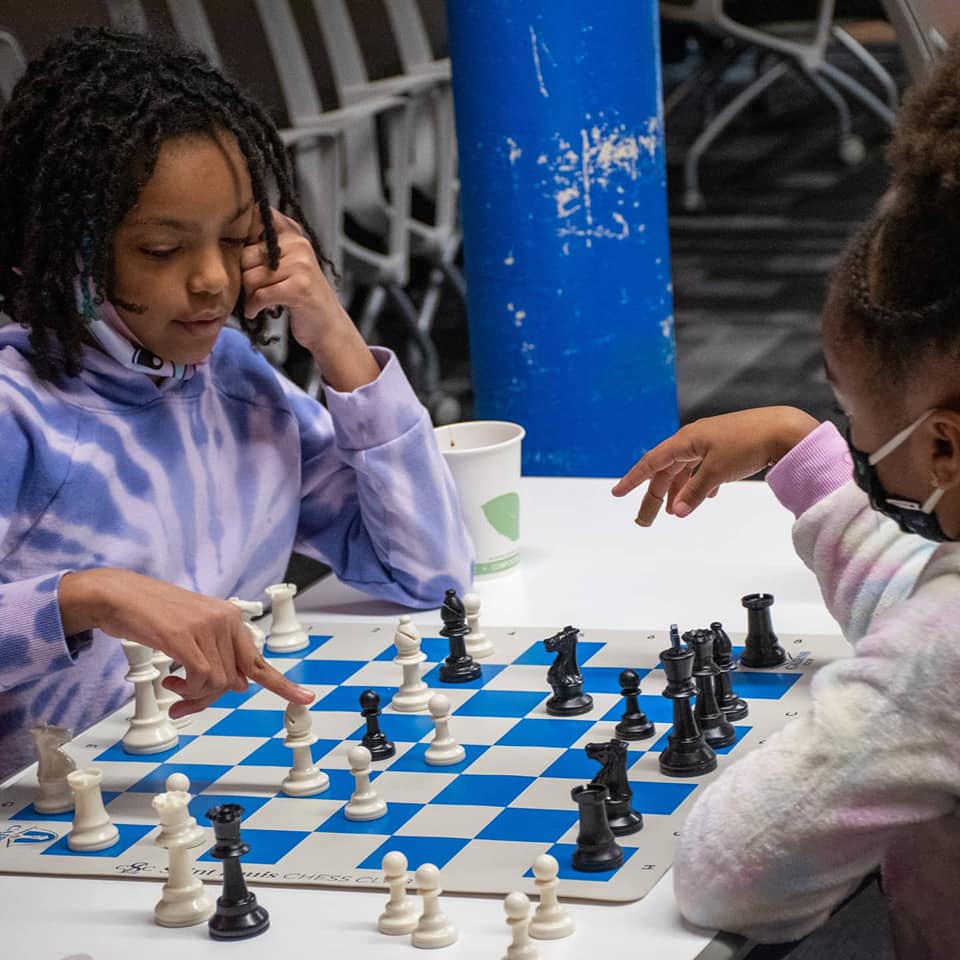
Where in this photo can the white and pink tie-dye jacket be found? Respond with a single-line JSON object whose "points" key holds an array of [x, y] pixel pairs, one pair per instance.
{"points": [[870, 777], [206, 483]]}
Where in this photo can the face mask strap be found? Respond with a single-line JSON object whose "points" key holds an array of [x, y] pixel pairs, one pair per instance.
{"points": [[930, 504], [896, 440]]}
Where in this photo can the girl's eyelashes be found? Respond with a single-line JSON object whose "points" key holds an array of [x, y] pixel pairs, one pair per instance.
{"points": [[164, 253]]}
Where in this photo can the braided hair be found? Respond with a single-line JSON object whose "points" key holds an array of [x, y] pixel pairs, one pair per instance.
{"points": [[896, 290], [79, 139]]}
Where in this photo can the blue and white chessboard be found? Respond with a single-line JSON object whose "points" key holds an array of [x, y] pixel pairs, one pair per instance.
{"points": [[483, 821]]}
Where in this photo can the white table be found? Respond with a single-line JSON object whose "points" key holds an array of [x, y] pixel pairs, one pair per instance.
{"points": [[583, 562]]}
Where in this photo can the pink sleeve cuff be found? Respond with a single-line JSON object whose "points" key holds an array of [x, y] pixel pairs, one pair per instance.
{"points": [[814, 468]]}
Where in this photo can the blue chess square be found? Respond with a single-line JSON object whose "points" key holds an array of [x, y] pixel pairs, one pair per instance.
{"points": [[573, 765], [544, 733], [248, 723], [564, 856], [200, 775], [654, 796], [741, 732], [30, 812], [413, 760], [314, 641], [347, 699], [274, 754], [399, 727], [537, 655], [605, 679], [116, 752], [762, 686], [396, 816], [233, 698], [529, 826], [483, 791], [130, 833], [201, 803], [342, 784], [319, 672], [434, 648], [418, 850], [487, 672], [501, 703], [658, 709], [266, 846]]}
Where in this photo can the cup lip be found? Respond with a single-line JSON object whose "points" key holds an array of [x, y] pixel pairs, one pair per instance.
{"points": [[454, 452]]}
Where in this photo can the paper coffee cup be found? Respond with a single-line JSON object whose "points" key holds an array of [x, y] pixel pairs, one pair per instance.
{"points": [[484, 458]]}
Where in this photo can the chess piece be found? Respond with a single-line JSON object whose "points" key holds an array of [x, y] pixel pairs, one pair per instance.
{"points": [[92, 828], [433, 929], [732, 706], [166, 698], [364, 803], [597, 848], [761, 648], [183, 901], [516, 905], [459, 667], [401, 911], [634, 724], [564, 676], [54, 763], [287, 634], [413, 694], [238, 915], [150, 728], [443, 750], [687, 754], [305, 778], [375, 739], [621, 816], [478, 644], [717, 730], [176, 823], [249, 609], [551, 920]]}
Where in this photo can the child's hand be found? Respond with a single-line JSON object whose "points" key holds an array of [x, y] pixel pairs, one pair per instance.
{"points": [[202, 633], [688, 467]]}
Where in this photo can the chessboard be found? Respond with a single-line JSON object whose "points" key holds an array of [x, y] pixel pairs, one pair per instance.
{"points": [[482, 822]]}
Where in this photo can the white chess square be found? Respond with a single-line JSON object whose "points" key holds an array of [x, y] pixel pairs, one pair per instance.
{"points": [[478, 730], [515, 761], [268, 700], [201, 722], [292, 813], [218, 750], [521, 676], [335, 724], [377, 673], [448, 820], [548, 794], [402, 787], [338, 758], [254, 781]]}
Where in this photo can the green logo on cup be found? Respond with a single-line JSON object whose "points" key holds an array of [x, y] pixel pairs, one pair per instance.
{"points": [[503, 514]]}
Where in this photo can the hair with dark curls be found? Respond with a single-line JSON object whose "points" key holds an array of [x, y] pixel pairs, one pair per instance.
{"points": [[78, 141], [897, 288]]}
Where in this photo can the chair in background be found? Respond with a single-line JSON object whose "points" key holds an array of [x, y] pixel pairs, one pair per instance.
{"points": [[12, 65], [921, 27], [782, 46]]}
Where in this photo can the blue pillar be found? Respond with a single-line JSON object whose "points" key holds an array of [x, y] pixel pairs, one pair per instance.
{"points": [[560, 130]]}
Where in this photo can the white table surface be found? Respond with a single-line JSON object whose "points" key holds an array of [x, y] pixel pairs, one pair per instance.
{"points": [[583, 561]]}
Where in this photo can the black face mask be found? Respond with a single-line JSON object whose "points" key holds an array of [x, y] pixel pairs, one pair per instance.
{"points": [[909, 516]]}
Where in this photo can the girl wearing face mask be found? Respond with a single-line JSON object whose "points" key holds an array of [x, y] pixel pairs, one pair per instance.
{"points": [[870, 777]]}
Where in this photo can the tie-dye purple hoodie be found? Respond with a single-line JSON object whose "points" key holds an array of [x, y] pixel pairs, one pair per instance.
{"points": [[870, 777], [206, 483]]}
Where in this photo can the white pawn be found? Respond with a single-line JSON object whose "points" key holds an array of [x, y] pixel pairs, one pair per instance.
{"points": [[92, 828], [479, 645], [166, 698], [150, 728], [551, 921], [176, 823], [305, 778], [55, 795], [443, 750], [413, 694], [517, 907], [401, 912], [286, 631], [183, 901], [248, 610], [433, 928], [364, 803]]}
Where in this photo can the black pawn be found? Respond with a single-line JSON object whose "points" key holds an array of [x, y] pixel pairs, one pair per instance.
{"points": [[459, 667], [597, 847], [634, 724], [717, 730], [687, 753], [733, 707], [761, 648], [374, 739], [238, 915]]}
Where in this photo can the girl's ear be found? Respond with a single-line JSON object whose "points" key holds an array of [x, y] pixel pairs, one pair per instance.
{"points": [[944, 450]]}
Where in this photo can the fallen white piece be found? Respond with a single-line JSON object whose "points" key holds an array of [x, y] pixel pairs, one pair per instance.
{"points": [[150, 728], [176, 823], [551, 920], [305, 778], [479, 645], [92, 828], [443, 750], [54, 763], [413, 694], [364, 802], [433, 928], [517, 907], [183, 901], [286, 632], [401, 911]]}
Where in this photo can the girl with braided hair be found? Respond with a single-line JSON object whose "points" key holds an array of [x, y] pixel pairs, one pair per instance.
{"points": [[870, 777], [153, 462]]}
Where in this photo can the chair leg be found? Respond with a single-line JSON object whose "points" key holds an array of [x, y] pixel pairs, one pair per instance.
{"points": [[830, 93], [872, 65], [372, 308], [429, 372], [858, 90]]}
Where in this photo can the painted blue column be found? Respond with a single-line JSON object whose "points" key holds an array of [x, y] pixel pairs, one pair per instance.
{"points": [[560, 130]]}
